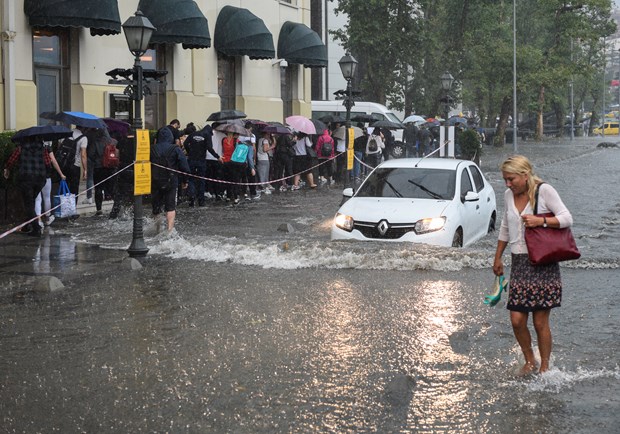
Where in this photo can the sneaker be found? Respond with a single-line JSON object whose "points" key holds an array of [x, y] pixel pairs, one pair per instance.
{"points": [[87, 201], [99, 212], [332, 182], [41, 225], [283, 188], [295, 188], [50, 220], [270, 188], [256, 196], [267, 191], [236, 201]]}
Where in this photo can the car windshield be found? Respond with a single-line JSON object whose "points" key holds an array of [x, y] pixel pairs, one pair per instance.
{"points": [[392, 117], [410, 183]]}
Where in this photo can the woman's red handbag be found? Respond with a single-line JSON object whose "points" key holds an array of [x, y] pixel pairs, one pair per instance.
{"points": [[548, 245]]}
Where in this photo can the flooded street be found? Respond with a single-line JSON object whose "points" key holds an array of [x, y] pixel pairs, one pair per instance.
{"points": [[234, 326]]}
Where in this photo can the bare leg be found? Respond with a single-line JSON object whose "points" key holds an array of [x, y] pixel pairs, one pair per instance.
{"points": [[311, 180], [522, 333], [170, 215], [543, 333], [296, 180]]}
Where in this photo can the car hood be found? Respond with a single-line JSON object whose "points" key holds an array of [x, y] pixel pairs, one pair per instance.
{"points": [[394, 210]]}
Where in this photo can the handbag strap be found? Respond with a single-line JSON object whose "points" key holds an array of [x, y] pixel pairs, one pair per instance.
{"points": [[536, 198]]}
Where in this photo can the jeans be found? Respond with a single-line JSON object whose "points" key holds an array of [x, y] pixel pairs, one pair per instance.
{"points": [[357, 166], [196, 188]]}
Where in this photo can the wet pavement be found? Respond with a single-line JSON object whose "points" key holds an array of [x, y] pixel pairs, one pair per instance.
{"points": [[234, 326]]}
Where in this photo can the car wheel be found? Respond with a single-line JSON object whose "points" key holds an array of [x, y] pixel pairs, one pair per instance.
{"points": [[457, 241], [492, 223], [398, 150]]}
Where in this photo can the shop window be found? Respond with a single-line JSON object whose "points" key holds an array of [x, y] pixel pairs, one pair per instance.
{"points": [[50, 59]]}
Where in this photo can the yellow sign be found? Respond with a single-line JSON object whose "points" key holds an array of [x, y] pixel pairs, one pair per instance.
{"points": [[143, 145], [350, 154], [142, 178]]}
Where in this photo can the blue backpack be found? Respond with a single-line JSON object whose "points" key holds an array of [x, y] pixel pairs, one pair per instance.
{"points": [[240, 155]]}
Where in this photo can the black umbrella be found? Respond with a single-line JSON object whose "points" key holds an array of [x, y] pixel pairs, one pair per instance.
{"points": [[320, 126], [333, 119], [387, 124], [276, 129], [80, 119], [45, 132], [362, 117], [226, 115], [117, 126]]}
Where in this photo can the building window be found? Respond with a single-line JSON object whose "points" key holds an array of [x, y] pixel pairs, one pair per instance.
{"points": [[50, 58], [155, 100], [288, 88], [226, 81]]}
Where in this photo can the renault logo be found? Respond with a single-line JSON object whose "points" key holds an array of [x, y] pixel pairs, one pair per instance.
{"points": [[383, 227]]}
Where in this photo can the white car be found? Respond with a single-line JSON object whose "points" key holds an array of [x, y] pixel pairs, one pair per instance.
{"points": [[440, 201]]}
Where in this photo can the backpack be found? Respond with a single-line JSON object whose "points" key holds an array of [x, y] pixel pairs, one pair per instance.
{"points": [[162, 179], [111, 156], [65, 154], [240, 155], [372, 145], [327, 147]]}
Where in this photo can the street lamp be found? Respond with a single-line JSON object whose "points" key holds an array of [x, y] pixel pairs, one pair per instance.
{"points": [[138, 31], [348, 66], [446, 85]]}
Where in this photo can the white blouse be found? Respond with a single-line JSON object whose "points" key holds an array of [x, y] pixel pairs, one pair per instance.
{"points": [[512, 227]]}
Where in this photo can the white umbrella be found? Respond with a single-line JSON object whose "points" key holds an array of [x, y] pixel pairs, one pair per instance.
{"points": [[414, 119], [339, 133]]}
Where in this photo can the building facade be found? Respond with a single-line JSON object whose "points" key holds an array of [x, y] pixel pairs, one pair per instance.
{"points": [[256, 56]]}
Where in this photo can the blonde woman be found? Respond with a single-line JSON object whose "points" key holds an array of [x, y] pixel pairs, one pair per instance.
{"points": [[534, 289]]}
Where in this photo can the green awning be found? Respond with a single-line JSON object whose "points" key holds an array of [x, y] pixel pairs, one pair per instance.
{"points": [[238, 32], [177, 22], [300, 44], [101, 16]]}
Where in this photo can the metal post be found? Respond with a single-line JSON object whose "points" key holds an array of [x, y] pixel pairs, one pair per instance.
{"points": [[514, 76], [446, 113], [348, 104], [138, 247]]}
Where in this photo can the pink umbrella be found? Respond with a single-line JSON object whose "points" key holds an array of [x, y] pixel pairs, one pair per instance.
{"points": [[301, 124]]}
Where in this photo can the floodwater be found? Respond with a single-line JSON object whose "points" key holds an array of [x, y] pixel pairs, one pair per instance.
{"points": [[234, 326]]}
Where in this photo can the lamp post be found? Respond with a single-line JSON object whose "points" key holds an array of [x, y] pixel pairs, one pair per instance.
{"points": [[446, 85], [348, 66], [514, 76], [138, 31]]}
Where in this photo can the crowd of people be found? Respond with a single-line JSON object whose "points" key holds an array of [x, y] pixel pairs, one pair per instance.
{"points": [[227, 161]]}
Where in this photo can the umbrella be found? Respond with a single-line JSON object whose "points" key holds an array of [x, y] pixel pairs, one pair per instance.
{"points": [[332, 119], [387, 124], [301, 124], [233, 128], [362, 117], [276, 129], [80, 119], [414, 119], [45, 132], [457, 120], [339, 133], [117, 126], [257, 123], [319, 126], [226, 115]]}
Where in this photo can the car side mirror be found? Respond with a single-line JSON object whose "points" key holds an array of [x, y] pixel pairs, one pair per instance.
{"points": [[347, 192], [471, 196]]}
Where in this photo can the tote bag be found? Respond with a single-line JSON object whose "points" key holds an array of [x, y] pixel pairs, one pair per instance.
{"points": [[66, 200], [548, 245]]}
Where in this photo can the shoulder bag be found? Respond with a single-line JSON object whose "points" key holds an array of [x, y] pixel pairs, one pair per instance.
{"points": [[548, 245]]}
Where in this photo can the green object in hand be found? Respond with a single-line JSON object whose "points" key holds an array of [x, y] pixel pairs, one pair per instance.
{"points": [[500, 286]]}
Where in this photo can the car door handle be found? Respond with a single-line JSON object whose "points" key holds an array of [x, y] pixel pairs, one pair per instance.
{"points": [[477, 206]]}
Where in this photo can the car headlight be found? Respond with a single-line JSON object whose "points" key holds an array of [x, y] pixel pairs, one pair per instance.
{"points": [[344, 222], [425, 226]]}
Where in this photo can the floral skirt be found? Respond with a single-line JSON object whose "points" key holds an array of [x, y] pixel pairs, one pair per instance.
{"points": [[533, 287]]}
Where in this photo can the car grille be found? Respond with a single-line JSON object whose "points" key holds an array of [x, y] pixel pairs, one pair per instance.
{"points": [[395, 231]]}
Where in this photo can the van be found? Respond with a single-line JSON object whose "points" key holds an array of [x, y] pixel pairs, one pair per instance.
{"points": [[381, 112], [611, 129]]}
